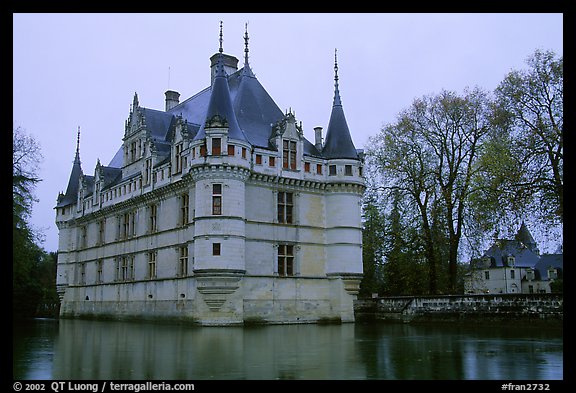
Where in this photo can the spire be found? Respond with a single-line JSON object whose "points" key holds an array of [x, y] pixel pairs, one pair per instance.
{"points": [[338, 142], [77, 158], [246, 50], [71, 194], [525, 237], [246, 70], [220, 113], [221, 50], [337, 100]]}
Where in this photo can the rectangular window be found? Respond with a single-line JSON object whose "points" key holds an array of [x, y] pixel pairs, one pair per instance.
{"points": [[203, 151], [153, 218], [289, 155], [285, 260], [216, 249], [487, 275], [319, 169], [124, 269], [148, 172], [244, 152], [184, 208], [99, 271], [512, 274], [216, 146], [216, 199], [183, 262], [530, 288], [101, 231], [307, 167], [348, 170], [272, 161], [178, 158], [332, 170], [151, 265], [231, 150], [84, 236], [258, 159], [285, 207]]}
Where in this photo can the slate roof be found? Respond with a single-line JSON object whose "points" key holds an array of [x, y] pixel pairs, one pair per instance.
{"points": [[73, 183], [550, 260], [246, 106]]}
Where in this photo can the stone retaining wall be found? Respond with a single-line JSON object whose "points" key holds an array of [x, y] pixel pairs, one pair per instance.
{"points": [[546, 308]]}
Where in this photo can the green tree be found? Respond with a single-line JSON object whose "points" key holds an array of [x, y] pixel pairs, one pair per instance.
{"points": [[26, 254], [431, 156], [372, 244], [531, 110]]}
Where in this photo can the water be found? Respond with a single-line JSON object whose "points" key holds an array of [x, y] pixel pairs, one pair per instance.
{"points": [[77, 349]]}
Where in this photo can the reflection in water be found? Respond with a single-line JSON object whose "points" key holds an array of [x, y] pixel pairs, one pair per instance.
{"points": [[76, 349]]}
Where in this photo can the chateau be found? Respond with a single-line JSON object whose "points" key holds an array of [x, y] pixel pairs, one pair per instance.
{"points": [[216, 211]]}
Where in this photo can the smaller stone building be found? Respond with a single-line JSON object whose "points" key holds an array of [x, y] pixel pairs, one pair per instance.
{"points": [[514, 266]]}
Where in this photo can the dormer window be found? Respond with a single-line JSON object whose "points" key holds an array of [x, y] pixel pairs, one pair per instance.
{"points": [[178, 158], [289, 155], [552, 274]]}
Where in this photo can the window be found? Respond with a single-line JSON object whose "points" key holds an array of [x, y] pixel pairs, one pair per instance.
{"points": [[530, 288], [552, 274], [133, 151], [487, 275], [231, 150], [332, 170], [289, 155], [101, 231], [99, 271], [348, 170], [272, 161], [153, 218], [285, 260], [306, 167], [243, 152], [148, 172], [216, 249], [151, 265], [183, 262], [319, 169], [178, 158], [203, 151], [128, 225], [530, 274], [184, 208], [258, 159], [83, 236], [216, 146], [512, 274], [216, 199], [285, 207]]}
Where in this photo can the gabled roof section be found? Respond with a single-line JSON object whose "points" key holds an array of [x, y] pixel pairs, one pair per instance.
{"points": [[502, 248], [547, 261], [338, 140]]}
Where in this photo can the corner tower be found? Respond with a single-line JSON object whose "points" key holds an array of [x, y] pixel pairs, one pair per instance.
{"points": [[345, 186]]}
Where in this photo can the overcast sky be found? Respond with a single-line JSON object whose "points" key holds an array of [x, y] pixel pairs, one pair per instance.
{"points": [[82, 70]]}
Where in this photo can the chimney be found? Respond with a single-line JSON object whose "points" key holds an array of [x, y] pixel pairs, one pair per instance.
{"points": [[318, 138], [172, 99], [230, 65]]}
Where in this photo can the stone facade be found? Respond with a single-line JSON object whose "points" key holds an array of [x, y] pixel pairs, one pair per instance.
{"points": [[212, 214]]}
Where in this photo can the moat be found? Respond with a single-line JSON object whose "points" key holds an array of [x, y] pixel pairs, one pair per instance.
{"points": [[81, 349]]}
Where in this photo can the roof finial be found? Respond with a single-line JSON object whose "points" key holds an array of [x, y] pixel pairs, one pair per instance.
{"points": [[246, 44], [78, 142], [221, 39], [337, 100]]}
